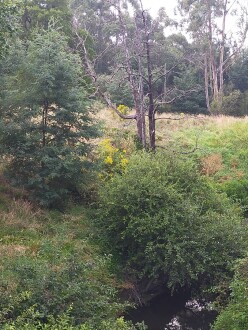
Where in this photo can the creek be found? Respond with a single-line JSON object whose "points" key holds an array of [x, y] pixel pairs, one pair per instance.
{"points": [[174, 313]]}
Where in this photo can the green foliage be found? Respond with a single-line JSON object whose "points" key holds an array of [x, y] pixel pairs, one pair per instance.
{"points": [[39, 14], [235, 316], [239, 71], [231, 102], [59, 277], [96, 17], [234, 104], [30, 320], [118, 89], [166, 221], [46, 121], [52, 274], [8, 13], [237, 190], [194, 102]]}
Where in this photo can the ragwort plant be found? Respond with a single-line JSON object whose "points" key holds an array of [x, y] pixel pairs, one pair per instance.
{"points": [[112, 159]]}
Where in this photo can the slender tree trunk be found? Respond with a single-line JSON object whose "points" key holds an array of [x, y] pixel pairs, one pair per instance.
{"points": [[222, 53], [141, 103], [215, 83], [217, 70], [212, 66], [140, 119], [44, 123], [206, 78], [151, 110], [44, 139]]}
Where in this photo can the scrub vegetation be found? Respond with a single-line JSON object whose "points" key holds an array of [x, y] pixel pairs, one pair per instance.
{"points": [[124, 162]]}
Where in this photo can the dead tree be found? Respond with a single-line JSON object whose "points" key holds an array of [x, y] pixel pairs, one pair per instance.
{"points": [[134, 44]]}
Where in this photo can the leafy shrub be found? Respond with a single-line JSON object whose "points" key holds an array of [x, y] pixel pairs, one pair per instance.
{"points": [[232, 104], [49, 266], [54, 285], [166, 221], [237, 189], [235, 316], [32, 319]]}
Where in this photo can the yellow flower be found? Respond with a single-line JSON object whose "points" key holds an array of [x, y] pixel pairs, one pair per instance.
{"points": [[124, 162], [106, 146], [123, 109], [108, 160]]}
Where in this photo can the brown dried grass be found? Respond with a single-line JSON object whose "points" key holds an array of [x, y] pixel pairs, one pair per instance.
{"points": [[166, 123], [21, 215], [212, 164], [12, 250]]}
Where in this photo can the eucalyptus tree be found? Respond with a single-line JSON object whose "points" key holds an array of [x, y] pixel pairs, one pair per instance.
{"points": [[207, 23], [46, 121]]}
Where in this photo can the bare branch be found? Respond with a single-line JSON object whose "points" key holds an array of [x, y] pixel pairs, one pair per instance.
{"points": [[89, 67], [184, 152], [183, 94], [179, 118]]}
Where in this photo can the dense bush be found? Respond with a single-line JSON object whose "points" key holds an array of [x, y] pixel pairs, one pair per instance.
{"points": [[237, 189], [235, 316], [166, 221], [235, 104]]}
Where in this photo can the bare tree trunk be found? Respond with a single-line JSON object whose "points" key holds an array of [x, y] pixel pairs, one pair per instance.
{"points": [[222, 53], [142, 104], [212, 65], [44, 123], [132, 78], [206, 78], [151, 109]]}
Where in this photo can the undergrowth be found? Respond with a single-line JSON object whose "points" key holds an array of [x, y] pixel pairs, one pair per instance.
{"points": [[53, 273]]}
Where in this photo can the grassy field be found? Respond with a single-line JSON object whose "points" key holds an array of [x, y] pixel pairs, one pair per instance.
{"points": [[218, 144], [45, 255]]}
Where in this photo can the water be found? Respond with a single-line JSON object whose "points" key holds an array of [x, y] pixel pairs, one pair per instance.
{"points": [[174, 313]]}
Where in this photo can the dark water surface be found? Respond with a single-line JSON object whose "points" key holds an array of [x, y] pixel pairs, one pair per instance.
{"points": [[174, 313]]}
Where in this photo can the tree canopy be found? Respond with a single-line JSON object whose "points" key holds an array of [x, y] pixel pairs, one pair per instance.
{"points": [[8, 12]]}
